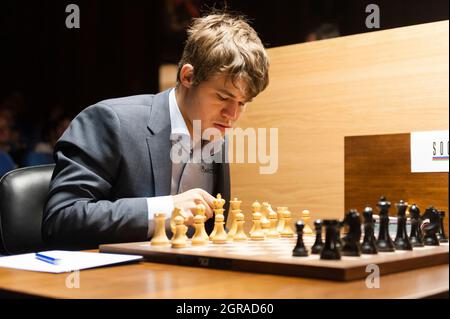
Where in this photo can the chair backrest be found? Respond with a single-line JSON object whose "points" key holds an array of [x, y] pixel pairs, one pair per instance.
{"points": [[23, 193]]}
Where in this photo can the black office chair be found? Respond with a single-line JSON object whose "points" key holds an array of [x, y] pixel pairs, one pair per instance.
{"points": [[22, 198]]}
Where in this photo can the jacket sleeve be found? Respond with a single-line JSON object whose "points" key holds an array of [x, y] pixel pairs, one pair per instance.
{"points": [[80, 210]]}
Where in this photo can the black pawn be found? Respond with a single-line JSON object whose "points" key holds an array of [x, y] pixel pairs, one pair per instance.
{"points": [[330, 250], [318, 244], [401, 239], [384, 242], [300, 249], [441, 235], [415, 236], [352, 239], [368, 245], [431, 224]]}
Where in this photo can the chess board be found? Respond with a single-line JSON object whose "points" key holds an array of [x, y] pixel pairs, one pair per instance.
{"points": [[274, 256]]}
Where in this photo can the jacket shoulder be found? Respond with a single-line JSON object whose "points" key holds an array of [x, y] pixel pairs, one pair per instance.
{"points": [[136, 100]]}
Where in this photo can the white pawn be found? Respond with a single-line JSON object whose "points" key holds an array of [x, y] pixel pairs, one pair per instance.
{"points": [[265, 211], [306, 217], [273, 232], [287, 231], [240, 234], [179, 237], [235, 209], [280, 211], [177, 211], [220, 236], [160, 237], [199, 238], [258, 233], [201, 210], [256, 208]]}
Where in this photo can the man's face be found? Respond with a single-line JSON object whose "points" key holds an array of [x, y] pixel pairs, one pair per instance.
{"points": [[216, 102]]}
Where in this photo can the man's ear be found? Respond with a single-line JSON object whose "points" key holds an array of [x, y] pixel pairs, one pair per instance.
{"points": [[187, 75]]}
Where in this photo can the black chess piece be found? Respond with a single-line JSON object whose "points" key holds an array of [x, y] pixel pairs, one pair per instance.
{"points": [[338, 240], [401, 241], [415, 236], [351, 243], [441, 235], [300, 249], [368, 245], [430, 226], [330, 250], [384, 242], [318, 244]]}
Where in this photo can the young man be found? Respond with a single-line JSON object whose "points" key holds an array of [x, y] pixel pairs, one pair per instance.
{"points": [[113, 164]]}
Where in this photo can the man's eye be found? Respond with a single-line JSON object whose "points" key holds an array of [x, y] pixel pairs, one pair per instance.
{"points": [[221, 98]]}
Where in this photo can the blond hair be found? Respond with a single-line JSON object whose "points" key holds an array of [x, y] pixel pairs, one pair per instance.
{"points": [[226, 44]]}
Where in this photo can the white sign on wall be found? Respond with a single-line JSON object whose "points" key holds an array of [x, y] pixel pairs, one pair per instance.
{"points": [[429, 151]]}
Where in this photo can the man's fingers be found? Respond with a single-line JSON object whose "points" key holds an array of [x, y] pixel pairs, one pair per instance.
{"points": [[208, 198], [208, 212], [208, 209]]}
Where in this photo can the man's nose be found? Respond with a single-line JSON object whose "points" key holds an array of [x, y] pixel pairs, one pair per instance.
{"points": [[231, 111]]}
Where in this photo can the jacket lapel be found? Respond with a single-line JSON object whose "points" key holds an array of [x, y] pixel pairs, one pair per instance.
{"points": [[159, 144]]}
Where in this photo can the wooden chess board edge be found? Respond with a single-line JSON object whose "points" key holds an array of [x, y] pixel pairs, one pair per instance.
{"points": [[390, 267], [276, 268], [252, 266]]}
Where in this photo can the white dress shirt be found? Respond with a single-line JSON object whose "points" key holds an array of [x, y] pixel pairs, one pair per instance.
{"points": [[184, 176]]}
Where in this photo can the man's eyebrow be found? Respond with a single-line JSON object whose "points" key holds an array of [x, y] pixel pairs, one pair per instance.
{"points": [[226, 92]]}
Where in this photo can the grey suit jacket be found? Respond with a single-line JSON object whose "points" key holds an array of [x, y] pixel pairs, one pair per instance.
{"points": [[113, 156]]}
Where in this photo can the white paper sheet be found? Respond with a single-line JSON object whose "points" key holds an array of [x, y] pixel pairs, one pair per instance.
{"points": [[70, 261], [429, 151]]}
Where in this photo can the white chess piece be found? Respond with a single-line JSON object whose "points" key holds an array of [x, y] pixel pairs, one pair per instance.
{"points": [[179, 238], [220, 236], [265, 211], [256, 208], [199, 239], [240, 234], [235, 209], [258, 233], [287, 231], [280, 211], [160, 237], [201, 210], [218, 204], [306, 217], [273, 232], [177, 211]]}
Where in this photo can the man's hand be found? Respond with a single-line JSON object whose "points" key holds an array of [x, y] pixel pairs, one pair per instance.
{"points": [[189, 200]]}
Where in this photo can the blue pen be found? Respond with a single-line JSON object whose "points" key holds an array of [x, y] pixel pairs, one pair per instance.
{"points": [[48, 259]]}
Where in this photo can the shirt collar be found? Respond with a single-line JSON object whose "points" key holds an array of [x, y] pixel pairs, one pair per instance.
{"points": [[176, 119], [179, 130]]}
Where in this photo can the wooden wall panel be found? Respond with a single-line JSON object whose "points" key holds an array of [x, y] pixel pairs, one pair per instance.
{"points": [[385, 82], [381, 165]]}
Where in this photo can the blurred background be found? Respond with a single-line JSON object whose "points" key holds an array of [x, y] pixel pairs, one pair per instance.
{"points": [[49, 73]]}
